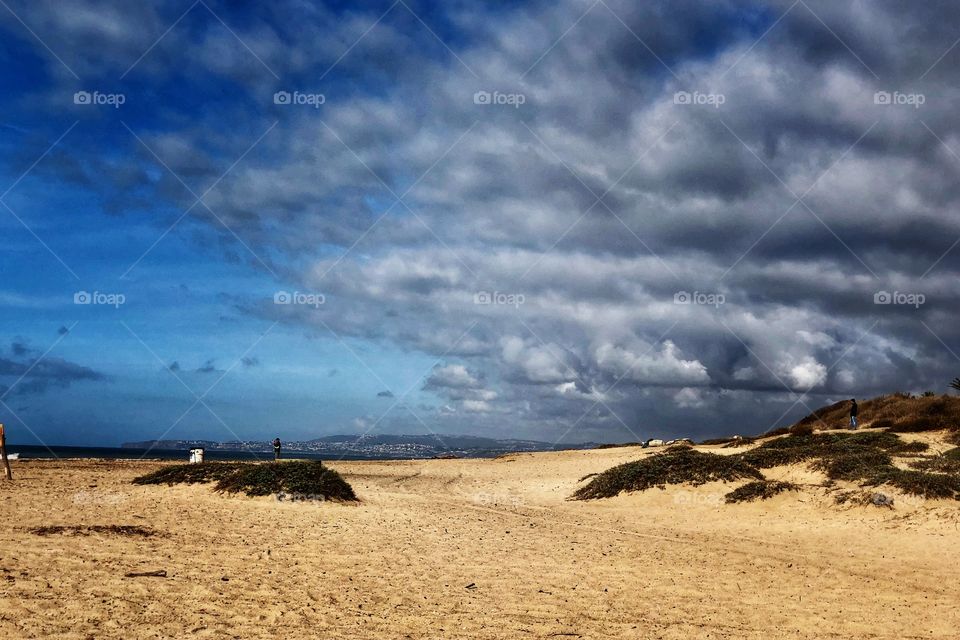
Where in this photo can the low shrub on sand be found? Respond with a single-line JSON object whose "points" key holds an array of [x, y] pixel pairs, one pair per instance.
{"points": [[948, 462], [302, 479], [684, 465], [917, 424], [919, 483], [865, 457], [854, 465], [759, 490], [735, 441], [798, 448], [779, 431], [190, 473], [614, 445]]}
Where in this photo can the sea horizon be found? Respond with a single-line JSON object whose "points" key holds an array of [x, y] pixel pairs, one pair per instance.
{"points": [[67, 452]]}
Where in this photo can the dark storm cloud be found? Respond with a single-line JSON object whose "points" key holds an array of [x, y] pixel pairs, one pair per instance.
{"points": [[27, 371], [208, 367]]}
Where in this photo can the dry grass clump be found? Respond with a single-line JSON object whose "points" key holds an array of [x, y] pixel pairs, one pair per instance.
{"points": [[190, 473], [302, 479], [801, 430], [308, 479], [614, 445], [919, 483], [779, 431], [713, 441], [85, 530], [759, 490], [677, 466], [734, 441], [865, 456], [898, 412], [826, 417], [798, 448], [854, 465], [948, 462]]}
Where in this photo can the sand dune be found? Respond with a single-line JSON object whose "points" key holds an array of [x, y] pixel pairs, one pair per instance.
{"points": [[468, 548]]}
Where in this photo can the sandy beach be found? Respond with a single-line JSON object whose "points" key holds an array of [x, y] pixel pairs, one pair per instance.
{"points": [[468, 549]]}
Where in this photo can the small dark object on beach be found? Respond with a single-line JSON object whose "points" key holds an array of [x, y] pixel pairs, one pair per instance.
{"points": [[160, 573]]}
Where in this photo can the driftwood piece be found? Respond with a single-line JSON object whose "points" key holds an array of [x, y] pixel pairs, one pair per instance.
{"points": [[3, 454], [160, 573]]}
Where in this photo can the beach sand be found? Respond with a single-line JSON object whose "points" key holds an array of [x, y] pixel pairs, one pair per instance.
{"points": [[469, 549]]}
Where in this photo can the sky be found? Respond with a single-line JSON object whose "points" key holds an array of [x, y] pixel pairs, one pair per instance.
{"points": [[571, 221]]}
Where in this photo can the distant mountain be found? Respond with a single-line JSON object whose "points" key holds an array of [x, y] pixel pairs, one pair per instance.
{"points": [[374, 445], [170, 444]]}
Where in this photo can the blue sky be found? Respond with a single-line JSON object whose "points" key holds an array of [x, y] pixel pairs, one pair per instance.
{"points": [[500, 207]]}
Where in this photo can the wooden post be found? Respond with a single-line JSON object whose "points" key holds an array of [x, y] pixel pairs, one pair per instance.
{"points": [[3, 453]]}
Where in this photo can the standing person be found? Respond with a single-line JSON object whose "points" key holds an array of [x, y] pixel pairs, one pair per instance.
{"points": [[276, 448], [853, 413]]}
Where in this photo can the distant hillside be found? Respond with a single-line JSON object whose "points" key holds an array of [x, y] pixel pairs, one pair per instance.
{"points": [[373, 445], [898, 412]]}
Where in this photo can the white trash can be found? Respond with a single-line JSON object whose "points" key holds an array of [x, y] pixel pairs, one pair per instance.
{"points": [[196, 455]]}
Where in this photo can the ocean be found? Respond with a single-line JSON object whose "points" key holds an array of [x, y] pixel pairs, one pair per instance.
{"points": [[27, 451]]}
